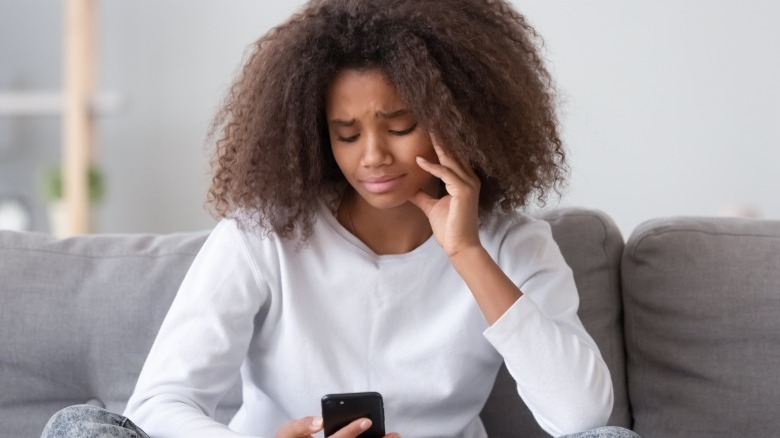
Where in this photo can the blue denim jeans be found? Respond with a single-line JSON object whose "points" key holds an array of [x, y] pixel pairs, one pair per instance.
{"points": [[87, 421], [604, 432]]}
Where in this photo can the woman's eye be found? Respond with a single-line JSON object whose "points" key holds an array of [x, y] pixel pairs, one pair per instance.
{"points": [[348, 139], [405, 131]]}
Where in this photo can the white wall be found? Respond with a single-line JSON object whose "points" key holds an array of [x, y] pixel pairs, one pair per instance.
{"points": [[174, 60], [670, 107], [29, 57]]}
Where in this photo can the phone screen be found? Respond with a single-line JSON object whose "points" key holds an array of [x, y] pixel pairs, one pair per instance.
{"points": [[338, 410]]}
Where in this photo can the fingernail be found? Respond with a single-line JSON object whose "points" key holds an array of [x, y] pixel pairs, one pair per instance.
{"points": [[365, 424], [422, 159], [317, 422]]}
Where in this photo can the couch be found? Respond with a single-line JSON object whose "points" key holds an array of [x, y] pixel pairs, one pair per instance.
{"points": [[686, 313]]}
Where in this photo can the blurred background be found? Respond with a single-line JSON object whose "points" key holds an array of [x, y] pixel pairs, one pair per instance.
{"points": [[668, 107]]}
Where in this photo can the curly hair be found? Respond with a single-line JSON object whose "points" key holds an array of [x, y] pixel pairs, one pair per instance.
{"points": [[469, 70]]}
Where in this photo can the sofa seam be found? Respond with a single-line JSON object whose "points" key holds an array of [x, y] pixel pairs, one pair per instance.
{"points": [[96, 256], [632, 334], [600, 219], [619, 288], [638, 240]]}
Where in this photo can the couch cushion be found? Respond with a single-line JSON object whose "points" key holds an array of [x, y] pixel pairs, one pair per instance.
{"points": [[78, 317], [702, 299], [592, 246]]}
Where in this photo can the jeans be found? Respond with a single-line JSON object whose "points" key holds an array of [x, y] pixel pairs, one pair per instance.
{"points": [[604, 432], [87, 421]]}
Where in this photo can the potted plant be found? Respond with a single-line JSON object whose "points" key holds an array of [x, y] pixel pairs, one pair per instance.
{"points": [[54, 196]]}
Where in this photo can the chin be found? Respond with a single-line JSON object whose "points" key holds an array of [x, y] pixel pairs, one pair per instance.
{"points": [[387, 204], [384, 201], [393, 198]]}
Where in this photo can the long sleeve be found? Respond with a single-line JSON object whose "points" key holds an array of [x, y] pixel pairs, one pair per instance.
{"points": [[202, 342], [559, 371]]}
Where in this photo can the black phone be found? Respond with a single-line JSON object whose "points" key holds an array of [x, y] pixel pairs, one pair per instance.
{"points": [[338, 410]]}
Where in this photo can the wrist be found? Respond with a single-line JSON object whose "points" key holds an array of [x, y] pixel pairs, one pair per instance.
{"points": [[468, 254]]}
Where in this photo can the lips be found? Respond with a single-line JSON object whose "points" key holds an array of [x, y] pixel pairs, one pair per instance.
{"points": [[381, 184]]}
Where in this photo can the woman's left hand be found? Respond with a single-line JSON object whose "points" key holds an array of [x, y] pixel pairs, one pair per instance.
{"points": [[453, 218]]}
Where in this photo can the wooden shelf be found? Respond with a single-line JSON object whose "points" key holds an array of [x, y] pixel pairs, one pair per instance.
{"points": [[42, 103], [77, 121], [77, 105]]}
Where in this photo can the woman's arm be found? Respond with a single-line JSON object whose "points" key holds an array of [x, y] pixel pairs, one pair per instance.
{"points": [[557, 367], [492, 289], [202, 342]]}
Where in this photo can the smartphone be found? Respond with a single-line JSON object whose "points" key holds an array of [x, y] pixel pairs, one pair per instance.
{"points": [[338, 410]]}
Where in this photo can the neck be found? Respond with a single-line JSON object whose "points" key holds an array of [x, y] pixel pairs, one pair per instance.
{"points": [[388, 231]]}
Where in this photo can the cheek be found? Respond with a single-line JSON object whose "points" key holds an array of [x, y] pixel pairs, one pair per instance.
{"points": [[339, 159], [430, 155], [425, 147], [342, 159], [335, 151]]}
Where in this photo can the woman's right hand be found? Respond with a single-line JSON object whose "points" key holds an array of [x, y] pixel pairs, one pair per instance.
{"points": [[306, 426]]}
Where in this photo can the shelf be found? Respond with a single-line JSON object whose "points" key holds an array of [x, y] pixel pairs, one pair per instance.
{"points": [[41, 103], [78, 104]]}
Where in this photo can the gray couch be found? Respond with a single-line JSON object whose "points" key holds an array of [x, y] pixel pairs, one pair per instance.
{"points": [[686, 313]]}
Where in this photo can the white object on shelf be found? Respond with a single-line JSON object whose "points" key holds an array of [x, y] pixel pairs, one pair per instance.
{"points": [[14, 215], [40, 103], [58, 218]]}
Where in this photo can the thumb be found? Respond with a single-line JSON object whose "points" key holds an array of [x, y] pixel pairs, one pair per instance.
{"points": [[423, 201], [300, 428]]}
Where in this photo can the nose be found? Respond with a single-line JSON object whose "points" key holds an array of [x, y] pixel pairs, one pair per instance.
{"points": [[375, 152]]}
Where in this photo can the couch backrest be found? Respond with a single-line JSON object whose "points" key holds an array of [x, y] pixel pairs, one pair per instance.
{"points": [[702, 317], [79, 315]]}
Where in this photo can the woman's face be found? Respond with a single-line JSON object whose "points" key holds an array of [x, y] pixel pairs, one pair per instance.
{"points": [[375, 139]]}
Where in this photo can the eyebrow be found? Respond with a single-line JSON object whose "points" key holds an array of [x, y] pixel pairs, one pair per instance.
{"points": [[393, 114], [384, 115]]}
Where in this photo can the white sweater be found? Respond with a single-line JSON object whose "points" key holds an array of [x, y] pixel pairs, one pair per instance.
{"points": [[331, 316]]}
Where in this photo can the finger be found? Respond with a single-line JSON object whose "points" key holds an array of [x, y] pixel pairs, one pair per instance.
{"points": [[392, 435], [444, 173], [301, 428], [468, 169], [453, 183], [447, 160], [466, 173], [353, 429]]}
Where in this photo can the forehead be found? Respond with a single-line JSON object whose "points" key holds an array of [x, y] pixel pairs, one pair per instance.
{"points": [[356, 91]]}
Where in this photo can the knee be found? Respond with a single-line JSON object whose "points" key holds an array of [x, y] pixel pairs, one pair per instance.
{"points": [[68, 422], [605, 432], [618, 432]]}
